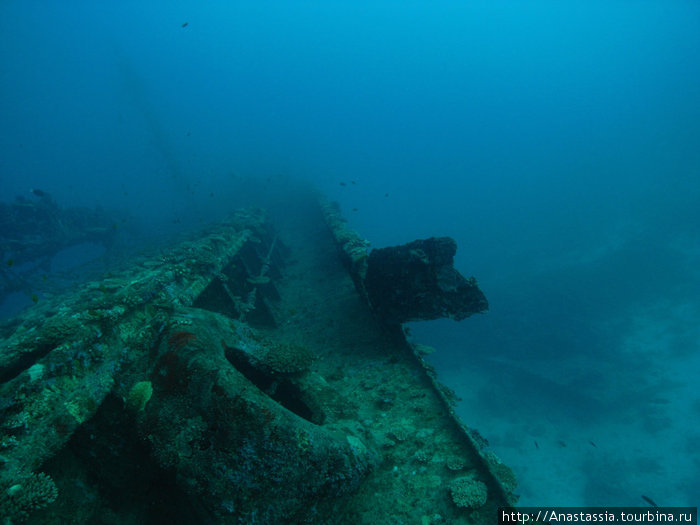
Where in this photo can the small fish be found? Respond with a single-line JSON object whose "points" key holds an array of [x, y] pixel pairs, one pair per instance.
{"points": [[354, 209], [10, 263], [536, 445], [593, 444], [353, 182], [649, 500], [35, 298], [37, 192], [343, 184], [561, 443], [185, 24], [386, 194]]}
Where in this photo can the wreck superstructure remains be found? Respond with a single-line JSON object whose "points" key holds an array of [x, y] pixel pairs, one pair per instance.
{"points": [[257, 373], [33, 231]]}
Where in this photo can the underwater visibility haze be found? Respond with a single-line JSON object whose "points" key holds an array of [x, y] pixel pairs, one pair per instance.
{"points": [[557, 142]]}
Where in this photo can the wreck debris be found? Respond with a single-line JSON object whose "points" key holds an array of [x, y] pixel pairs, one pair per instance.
{"points": [[235, 378], [244, 436], [33, 231], [416, 281]]}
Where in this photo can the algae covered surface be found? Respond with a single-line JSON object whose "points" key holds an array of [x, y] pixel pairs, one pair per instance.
{"points": [[239, 377]]}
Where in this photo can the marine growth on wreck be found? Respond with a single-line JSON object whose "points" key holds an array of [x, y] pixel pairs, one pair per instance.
{"points": [[257, 372]]}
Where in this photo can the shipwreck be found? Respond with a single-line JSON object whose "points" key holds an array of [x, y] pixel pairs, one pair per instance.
{"points": [[255, 373]]}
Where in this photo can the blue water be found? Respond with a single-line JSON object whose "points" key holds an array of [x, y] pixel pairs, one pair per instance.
{"points": [[557, 142]]}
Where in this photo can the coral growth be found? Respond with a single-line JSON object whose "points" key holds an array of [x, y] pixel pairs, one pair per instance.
{"points": [[34, 492], [503, 472], [455, 463], [288, 358], [468, 492]]}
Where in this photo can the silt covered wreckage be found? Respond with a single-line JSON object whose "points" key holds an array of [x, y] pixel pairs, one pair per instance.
{"points": [[257, 372]]}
